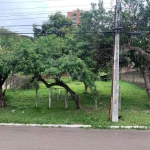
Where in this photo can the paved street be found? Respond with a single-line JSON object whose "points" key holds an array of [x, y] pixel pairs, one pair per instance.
{"points": [[40, 138]]}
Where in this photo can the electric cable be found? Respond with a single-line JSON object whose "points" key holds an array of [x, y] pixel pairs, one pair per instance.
{"points": [[107, 32], [28, 1], [47, 7], [35, 13], [41, 12], [27, 17]]}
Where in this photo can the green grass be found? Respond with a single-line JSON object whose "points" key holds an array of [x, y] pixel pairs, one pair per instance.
{"points": [[21, 106]]}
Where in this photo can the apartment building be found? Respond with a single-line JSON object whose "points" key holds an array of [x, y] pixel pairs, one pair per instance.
{"points": [[75, 16]]}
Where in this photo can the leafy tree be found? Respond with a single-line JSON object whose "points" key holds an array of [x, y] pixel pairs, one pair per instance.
{"points": [[137, 47], [57, 24], [8, 59], [90, 43], [44, 56]]}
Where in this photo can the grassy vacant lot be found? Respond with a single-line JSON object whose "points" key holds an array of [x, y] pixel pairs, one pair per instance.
{"points": [[21, 106]]}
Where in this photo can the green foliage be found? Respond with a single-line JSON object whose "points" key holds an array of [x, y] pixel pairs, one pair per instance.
{"points": [[45, 55], [77, 69], [5, 33], [89, 44], [135, 19], [57, 24], [27, 84], [36, 55], [103, 76], [8, 57], [28, 60], [21, 82], [135, 106]]}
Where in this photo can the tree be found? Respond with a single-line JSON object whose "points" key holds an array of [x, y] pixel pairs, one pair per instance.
{"points": [[57, 24], [137, 46], [89, 42], [44, 56], [8, 59]]}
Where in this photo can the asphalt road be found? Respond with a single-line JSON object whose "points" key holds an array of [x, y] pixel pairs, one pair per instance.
{"points": [[39, 138]]}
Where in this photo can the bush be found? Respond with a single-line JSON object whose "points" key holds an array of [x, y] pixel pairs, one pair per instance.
{"points": [[103, 76], [22, 82]]}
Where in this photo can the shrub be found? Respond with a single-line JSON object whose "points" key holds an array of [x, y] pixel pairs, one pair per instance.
{"points": [[22, 82]]}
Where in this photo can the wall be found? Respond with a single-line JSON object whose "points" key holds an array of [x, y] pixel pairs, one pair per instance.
{"points": [[134, 76]]}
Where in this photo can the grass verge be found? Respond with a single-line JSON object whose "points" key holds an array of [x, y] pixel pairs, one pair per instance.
{"points": [[21, 106]]}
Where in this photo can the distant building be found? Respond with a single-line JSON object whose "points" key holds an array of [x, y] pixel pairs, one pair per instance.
{"points": [[75, 16]]}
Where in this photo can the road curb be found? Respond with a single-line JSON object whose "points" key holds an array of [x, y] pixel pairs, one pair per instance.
{"points": [[74, 126], [47, 125], [129, 127]]}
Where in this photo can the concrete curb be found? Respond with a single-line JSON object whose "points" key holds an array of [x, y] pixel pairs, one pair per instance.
{"points": [[47, 125], [73, 126], [129, 127]]}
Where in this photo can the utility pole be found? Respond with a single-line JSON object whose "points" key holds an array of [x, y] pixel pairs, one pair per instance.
{"points": [[115, 77]]}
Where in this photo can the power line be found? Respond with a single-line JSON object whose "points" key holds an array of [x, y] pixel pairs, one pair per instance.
{"points": [[19, 26], [16, 32], [104, 32], [41, 24], [22, 29], [36, 1], [29, 27], [31, 13], [48, 7], [28, 18], [23, 18], [39, 13], [29, 1]]}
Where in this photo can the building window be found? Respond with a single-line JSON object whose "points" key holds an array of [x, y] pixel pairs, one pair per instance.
{"points": [[74, 17], [74, 14], [74, 22]]}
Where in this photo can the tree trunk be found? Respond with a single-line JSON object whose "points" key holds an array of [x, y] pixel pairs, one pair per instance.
{"points": [[62, 84], [72, 93], [85, 88], [2, 100], [144, 68], [146, 75]]}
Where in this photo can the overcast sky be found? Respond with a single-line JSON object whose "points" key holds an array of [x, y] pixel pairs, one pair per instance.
{"points": [[29, 12]]}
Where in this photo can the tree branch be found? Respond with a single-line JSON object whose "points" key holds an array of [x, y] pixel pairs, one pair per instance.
{"points": [[141, 51], [62, 84]]}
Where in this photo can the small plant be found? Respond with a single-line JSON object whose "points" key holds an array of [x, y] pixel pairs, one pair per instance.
{"points": [[104, 76]]}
